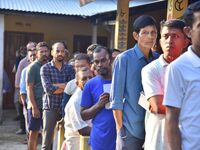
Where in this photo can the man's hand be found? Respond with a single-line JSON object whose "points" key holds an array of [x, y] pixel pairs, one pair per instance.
{"points": [[103, 99], [36, 112], [60, 123]]}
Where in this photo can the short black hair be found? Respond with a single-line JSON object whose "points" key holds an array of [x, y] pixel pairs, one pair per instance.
{"points": [[143, 21], [92, 47], [115, 50], [173, 23], [42, 44], [99, 48], [82, 56], [188, 15]]}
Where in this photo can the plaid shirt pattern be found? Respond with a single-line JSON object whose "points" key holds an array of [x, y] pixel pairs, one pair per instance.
{"points": [[51, 75]]}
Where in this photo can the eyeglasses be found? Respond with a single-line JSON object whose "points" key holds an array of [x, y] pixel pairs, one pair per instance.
{"points": [[146, 33]]}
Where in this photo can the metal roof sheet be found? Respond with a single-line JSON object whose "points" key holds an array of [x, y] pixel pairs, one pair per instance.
{"points": [[67, 7]]}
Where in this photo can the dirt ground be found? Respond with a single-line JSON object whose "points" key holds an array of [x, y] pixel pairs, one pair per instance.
{"points": [[8, 139]]}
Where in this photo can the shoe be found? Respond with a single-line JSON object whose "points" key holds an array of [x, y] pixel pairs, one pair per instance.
{"points": [[21, 131], [16, 118], [25, 141]]}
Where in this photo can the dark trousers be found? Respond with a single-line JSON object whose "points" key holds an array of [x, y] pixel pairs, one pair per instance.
{"points": [[22, 120]]}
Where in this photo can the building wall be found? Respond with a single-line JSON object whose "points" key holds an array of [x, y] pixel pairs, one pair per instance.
{"points": [[53, 27]]}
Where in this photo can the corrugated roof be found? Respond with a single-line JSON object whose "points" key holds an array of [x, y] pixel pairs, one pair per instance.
{"points": [[67, 7]]}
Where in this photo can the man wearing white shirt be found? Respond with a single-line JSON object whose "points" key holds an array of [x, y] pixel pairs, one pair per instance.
{"points": [[173, 41], [74, 125], [182, 90]]}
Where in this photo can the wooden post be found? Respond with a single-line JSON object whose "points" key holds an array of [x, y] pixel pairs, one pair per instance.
{"points": [[60, 136], [84, 143], [121, 25], [176, 8], [1, 64]]}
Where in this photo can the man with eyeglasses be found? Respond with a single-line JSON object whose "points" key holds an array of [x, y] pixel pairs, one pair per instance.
{"points": [[126, 85], [94, 98]]}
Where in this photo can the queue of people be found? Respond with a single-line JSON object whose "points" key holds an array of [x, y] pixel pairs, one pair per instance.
{"points": [[98, 95]]}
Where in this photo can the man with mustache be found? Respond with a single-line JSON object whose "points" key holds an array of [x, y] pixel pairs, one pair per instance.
{"points": [[34, 94], [173, 40], [54, 76], [94, 99]]}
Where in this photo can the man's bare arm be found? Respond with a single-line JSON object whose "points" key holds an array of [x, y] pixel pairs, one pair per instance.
{"points": [[173, 132], [85, 131], [31, 98], [118, 118], [61, 87], [89, 113], [156, 104]]}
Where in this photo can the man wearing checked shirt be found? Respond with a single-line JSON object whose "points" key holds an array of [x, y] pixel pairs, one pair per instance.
{"points": [[54, 76]]}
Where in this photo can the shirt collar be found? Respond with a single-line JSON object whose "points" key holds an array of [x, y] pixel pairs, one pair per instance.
{"points": [[52, 64], [195, 60], [140, 55], [138, 52], [162, 61]]}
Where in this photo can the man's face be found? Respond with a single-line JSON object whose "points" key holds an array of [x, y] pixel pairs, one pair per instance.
{"points": [[114, 54], [43, 54], [81, 63], [172, 41], [195, 32], [101, 62], [83, 77], [31, 55], [31, 46], [146, 38], [58, 52]]}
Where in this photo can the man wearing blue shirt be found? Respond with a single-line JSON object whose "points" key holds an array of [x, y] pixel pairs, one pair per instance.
{"points": [[94, 99], [126, 85]]}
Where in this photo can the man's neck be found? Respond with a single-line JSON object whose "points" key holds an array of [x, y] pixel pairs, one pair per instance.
{"points": [[145, 51], [57, 64], [196, 50], [107, 77], [42, 62]]}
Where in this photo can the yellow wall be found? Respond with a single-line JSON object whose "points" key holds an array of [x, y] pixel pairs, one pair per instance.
{"points": [[53, 27]]}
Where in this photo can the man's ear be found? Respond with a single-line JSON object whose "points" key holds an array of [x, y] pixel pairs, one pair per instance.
{"points": [[52, 51], [135, 36], [187, 31]]}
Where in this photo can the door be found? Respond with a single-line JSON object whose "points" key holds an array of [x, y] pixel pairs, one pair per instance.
{"points": [[12, 42]]}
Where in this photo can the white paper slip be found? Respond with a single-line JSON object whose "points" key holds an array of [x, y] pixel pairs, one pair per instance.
{"points": [[143, 101], [106, 89]]}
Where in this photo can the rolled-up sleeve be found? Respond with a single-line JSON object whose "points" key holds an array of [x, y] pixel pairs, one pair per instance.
{"points": [[23, 82], [46, 80], [118, 83]]}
